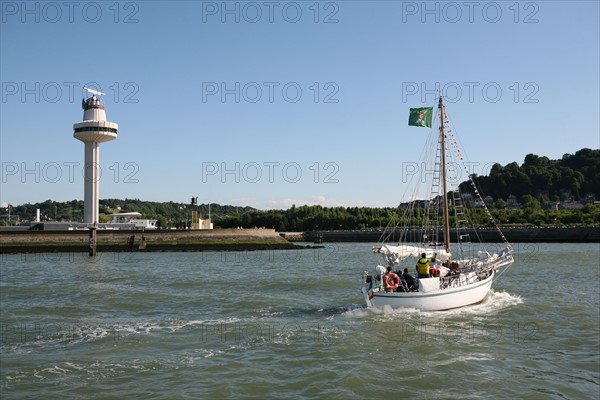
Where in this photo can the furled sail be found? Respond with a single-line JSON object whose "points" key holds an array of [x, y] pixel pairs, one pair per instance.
{"points": [[402, 252]]}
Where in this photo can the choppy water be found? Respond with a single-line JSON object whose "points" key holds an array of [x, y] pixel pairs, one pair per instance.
{"points": [[291, 325]]}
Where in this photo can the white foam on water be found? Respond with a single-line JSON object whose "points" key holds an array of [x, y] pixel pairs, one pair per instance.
{"points": [[56, 370], [74, 366], [17, 342], [199, 355], [70, 373], [461, 359], [172, 325], [88, 334], [385, 311], [52, 335], [492, 303]]}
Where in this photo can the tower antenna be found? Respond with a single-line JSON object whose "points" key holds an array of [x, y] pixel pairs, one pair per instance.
{"points": [[94, 92]]}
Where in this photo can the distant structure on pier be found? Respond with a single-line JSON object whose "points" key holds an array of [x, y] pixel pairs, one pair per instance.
{"points": [[93, 130], [197, 222]]}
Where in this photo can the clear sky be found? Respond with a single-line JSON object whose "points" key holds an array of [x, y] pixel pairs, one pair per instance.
{"points": [[274, 103]]}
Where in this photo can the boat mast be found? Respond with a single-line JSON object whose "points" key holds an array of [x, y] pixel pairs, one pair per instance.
{"points": [[443, 156]]}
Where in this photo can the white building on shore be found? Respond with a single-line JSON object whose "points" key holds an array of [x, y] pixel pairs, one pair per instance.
{"points": [[133, 218]]}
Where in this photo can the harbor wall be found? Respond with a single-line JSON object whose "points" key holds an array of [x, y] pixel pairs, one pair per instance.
{"points": [[513, 235], [161, 240]]}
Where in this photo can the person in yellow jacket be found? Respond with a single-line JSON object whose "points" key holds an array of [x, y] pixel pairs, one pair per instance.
{"points": [[423, 266]]}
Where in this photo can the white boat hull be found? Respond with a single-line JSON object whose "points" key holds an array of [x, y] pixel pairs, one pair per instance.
{"points": [[435, 300]]}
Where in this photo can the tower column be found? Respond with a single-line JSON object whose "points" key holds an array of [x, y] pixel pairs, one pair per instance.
{"points": [[91, 182]]}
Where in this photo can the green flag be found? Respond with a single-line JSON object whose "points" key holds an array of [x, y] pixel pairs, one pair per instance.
{"points": [[420, 117]]}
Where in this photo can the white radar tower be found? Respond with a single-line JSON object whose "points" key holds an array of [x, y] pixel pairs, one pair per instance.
{"points": [[93, 130]]}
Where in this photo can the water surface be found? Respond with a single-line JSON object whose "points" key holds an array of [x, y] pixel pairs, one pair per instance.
{"points": [[291, 324]]}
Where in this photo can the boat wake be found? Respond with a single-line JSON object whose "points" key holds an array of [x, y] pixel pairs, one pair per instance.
{"points": [[493, 302]]}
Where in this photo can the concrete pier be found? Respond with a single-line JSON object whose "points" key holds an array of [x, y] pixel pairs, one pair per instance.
{"points": [[161, 240], [513, 235]]}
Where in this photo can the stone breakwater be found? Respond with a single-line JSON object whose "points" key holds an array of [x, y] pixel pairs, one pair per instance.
{"points": [[117, 241]]}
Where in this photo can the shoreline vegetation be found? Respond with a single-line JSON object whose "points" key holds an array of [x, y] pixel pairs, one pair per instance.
{"points": [[540, 192], [177, 216]]}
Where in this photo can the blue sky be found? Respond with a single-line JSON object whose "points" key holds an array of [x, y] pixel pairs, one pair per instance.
{"points": [[269, 104]]}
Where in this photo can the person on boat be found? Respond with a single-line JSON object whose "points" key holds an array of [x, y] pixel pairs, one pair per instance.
{"points": [[411, 282], [391, 280], [434, 267], [403, 285], [452, 267], [381, 271], [423, 266]]}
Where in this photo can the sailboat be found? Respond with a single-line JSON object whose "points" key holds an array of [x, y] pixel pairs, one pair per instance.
{"points": [[457, 269]]}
